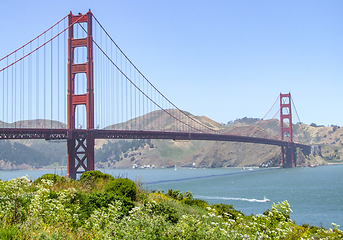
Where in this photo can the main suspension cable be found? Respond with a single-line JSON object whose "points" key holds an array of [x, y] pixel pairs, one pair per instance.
{"points": [[33, 39], [28, 54], [261, 118], [150, 83], [300, 123]]}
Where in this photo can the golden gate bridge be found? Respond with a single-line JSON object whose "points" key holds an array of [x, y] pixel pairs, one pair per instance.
{"points": [[73, 82]]}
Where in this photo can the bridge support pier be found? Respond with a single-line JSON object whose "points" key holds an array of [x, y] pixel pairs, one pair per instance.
{"points": [[80, 155], [287, 153], [80, 145], [288, 156]]}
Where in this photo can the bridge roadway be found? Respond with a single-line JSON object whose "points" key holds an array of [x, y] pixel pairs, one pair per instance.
{"points": [[56, 134]]}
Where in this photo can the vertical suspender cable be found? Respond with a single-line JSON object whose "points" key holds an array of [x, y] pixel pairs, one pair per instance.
{"points": [[44, 83], [136, 102], [148, 108], [15, 89], [139, 103], [131, 103], [100, 86], [152, 122], [51, 84], [3, 95], [117, 90], [23, 87], [122, 99], [126, 104], [301, 125], [111, 90], [29, 85], [106, 87], [5, 116], [103, 73], [104, 91], [37, 84], [13, 84], [143, 104], [108, 96], [58, 79], [6, 98]]}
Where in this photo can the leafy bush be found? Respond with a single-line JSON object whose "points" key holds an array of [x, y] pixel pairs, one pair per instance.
{"points": [[122, 187], [52, 177], [227, 211], [166, 211], [10, 232], [91, 176], [93, 201], [177, 195], [195, 202], [15, 198], [94, 176], [186, 198]]}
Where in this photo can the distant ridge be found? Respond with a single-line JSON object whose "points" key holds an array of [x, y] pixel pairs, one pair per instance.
{"points": [[168, 153], [37, 123]]}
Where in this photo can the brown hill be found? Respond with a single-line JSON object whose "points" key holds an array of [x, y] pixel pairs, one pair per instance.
{"points": [[169, 153]]}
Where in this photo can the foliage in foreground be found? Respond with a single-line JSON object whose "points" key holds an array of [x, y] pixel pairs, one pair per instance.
{"points": [[56, 208]]}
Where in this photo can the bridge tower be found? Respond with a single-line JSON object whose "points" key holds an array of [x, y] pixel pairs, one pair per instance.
{"points": [[80, 149], [287, 153]]}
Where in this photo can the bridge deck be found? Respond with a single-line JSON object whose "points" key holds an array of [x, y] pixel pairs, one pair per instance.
{"points": [[55, 134]]}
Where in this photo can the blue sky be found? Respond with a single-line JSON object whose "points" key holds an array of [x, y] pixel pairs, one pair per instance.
{"points": [[222, 59]]}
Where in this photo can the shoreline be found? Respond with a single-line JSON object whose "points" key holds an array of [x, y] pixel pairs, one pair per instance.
{"points": [[64, 168]]}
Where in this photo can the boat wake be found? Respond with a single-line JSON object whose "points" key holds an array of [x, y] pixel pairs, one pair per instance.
{"points": [[235, 199]]}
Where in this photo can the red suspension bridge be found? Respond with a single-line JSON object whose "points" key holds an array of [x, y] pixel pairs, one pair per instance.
{"points": [[74, 82]]}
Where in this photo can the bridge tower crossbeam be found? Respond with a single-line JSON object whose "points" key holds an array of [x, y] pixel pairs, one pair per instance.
{"points": [[80, 148], [287, 153]]}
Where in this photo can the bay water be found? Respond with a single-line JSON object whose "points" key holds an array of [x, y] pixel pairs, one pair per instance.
{"points": [[314, 194]]}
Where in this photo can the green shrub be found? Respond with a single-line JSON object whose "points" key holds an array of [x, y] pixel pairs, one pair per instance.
{"points": [[91, 176], [107, 177], [93, 201], [177, 195], [122, 187], [10, 232], [227, 211], [49, 176], [94, 176], [162, 209], [186, 198], [195, 202]]}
